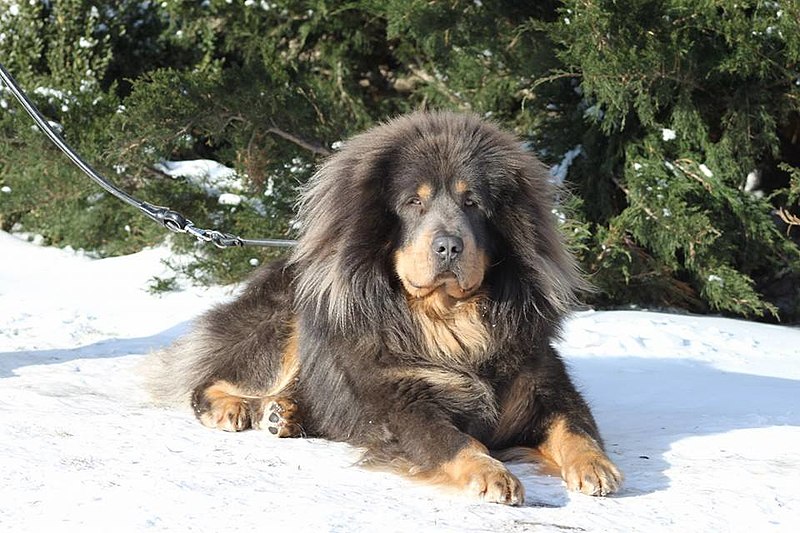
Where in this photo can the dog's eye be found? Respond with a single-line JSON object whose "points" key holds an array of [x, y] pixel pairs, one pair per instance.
{"points": [[414, 200], [470, 202]]}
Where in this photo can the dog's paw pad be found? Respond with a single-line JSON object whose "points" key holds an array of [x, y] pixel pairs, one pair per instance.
{"points": [[280, 418]]}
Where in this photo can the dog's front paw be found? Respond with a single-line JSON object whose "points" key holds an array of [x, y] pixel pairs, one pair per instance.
{"points": [[229, 414], [497, 485], [592, 473], [580, 457], [477, 474]]}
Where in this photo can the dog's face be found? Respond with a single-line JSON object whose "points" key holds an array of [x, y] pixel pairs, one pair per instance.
{"points": [[443, 242], [441, 207]]}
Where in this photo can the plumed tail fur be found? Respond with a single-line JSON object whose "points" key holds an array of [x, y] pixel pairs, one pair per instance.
{"points": [[171, 374]]}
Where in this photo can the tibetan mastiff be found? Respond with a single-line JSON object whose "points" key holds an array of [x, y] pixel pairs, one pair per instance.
{"points": [[414, 319]]}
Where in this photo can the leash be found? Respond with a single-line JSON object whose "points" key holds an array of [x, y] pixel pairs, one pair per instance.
{"points": [[172, 220]]}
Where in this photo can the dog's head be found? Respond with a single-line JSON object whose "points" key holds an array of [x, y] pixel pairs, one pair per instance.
{"points": [[430, 204]]}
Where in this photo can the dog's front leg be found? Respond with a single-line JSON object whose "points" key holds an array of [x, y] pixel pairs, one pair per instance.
{"points": [[544, 416], [473, 471], [419, 440]]}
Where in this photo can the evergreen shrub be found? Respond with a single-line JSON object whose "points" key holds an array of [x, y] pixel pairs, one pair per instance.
{"points": [[674, 125]]}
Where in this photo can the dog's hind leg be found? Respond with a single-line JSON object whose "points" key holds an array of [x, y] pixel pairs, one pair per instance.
{"points": [[224, 405]]}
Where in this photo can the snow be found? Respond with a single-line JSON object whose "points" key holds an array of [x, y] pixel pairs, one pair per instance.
{"points": [[558, 172], [753, 182], [701, 413], [705, 170], [228, 198], [217, 180], [212, 176]]}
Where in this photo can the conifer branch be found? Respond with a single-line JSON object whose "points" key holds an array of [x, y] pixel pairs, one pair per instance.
{"points": [[557, 75], [790, 219], [428, 78], [311, 146], [646, 209], [684, 165]]}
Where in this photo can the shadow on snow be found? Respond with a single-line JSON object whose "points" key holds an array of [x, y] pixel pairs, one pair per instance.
{"points": [[107, 348]]}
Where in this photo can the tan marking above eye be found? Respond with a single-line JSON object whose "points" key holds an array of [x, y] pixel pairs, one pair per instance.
{"points": [[425, 191], [461, 187]]}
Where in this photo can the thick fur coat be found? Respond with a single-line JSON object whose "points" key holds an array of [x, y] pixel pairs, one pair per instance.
{"points": [[415, 318]]}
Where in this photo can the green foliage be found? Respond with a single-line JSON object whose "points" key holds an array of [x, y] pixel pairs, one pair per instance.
{"points": [[689, 97], [159, 285], [665, 107]]}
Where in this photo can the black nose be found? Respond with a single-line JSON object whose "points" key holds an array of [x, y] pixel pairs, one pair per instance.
{"points": [[447, 247]]}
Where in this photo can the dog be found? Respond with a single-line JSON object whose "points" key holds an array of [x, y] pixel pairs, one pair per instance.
{"points": [[414, 319]]}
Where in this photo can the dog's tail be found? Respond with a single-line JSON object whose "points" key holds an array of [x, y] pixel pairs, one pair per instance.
{"points": [[171, 374]]}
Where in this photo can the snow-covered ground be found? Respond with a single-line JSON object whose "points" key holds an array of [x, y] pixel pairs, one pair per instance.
{"points": [[702, 414]]}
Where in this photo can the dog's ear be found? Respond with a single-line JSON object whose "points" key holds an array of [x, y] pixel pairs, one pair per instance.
{"points": [[347, 236], [546, 275]]}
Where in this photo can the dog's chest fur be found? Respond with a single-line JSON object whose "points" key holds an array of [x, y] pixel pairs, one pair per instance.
{"points": [[451, 333], [456, 344]]}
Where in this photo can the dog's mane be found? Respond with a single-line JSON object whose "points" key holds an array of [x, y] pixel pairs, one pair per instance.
{"points": [[343, 261]]}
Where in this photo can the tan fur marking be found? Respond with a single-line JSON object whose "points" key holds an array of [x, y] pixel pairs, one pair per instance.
{"points": [[461, 187], [440, 378], [415, 267], [413, 262], [278, 416], [230, 404], [583, 464], [561, 444], [521, 454], [290, 367], [425, 191], [228, 407], [452, 329], [461, 389], [475, 472]]}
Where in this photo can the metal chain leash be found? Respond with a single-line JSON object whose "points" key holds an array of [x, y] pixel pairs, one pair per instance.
{"points": [[172, 220]]}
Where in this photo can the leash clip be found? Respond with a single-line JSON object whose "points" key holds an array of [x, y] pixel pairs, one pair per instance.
{"points": [[219, 239]]}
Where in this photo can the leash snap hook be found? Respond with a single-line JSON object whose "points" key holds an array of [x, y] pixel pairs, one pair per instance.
{"points": [[174, 221]]}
